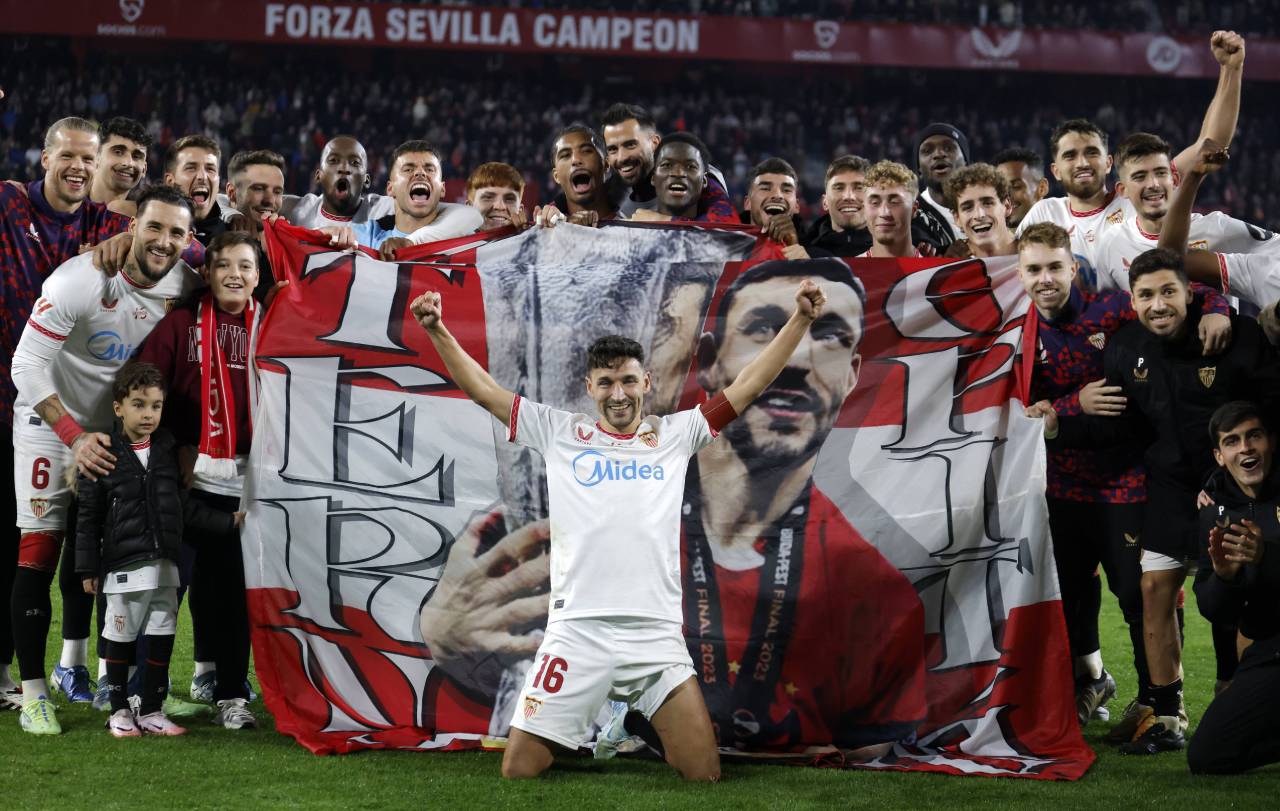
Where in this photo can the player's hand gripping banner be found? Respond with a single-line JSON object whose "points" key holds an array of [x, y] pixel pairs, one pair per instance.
{"points": [[866, 560]]}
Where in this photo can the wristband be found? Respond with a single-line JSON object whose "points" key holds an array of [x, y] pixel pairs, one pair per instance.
{"points": [[67, 429]]}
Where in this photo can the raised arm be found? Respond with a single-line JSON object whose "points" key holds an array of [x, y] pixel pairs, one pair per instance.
{"points": [[1202, 266], [756, 376], [469, 375], [1224, 109]]}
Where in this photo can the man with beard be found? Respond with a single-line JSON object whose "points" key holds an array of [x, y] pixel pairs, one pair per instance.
{"points": [[495, 190], [980, 199], [122, 160], [845, 662], [1023, 169], [1146, 180], [1081, 163], [343, 176], [631, 137], [83, 328], [1170, 392], [417, 186], [940, 149], [1095, 497], [1239, 583], [43, 224], [191, 166]]}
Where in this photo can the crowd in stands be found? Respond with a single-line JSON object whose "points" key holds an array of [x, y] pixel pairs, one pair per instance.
{"points": [[473, 111]]}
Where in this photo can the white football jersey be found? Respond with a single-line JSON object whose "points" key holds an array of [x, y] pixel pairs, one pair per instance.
{"points": [[307, 212], [99, 321], [946, 212], [1212, 232], [1251, 277], [615, 509], [1086, 228]]}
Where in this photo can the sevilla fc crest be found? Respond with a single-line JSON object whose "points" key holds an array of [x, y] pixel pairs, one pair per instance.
{"points": [[531, 707], [131, 10], [650, 439], [39, 507], [1207, 374], [1098, 340]]}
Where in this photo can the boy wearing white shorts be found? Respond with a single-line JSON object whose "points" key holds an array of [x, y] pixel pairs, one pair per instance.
{"points": [[128, 538]]}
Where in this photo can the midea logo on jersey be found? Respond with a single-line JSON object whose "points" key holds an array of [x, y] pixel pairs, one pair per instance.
{"points": [[592, 467], [107, 345]]}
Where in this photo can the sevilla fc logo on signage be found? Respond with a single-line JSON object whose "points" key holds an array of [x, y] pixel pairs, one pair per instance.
{"points": [[826, 32], [131, 10], [1002, 47]]}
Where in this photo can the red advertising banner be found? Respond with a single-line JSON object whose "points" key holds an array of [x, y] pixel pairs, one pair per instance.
{"points": [[824, 42]]}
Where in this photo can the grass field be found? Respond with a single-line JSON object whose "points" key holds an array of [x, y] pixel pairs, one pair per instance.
{"points": [[212, 767]]}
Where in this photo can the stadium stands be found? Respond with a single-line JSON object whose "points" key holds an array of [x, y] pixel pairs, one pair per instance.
{"points": [[293, 104]]}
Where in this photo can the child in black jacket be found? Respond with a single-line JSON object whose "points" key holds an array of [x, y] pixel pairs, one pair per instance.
{"points": [[127, 543]]}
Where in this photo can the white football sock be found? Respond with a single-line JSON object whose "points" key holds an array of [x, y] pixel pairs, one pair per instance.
{"points": [[1090, 663], [6, 681], [34, 689], [74, 652], [102, 668], [204, 667]]}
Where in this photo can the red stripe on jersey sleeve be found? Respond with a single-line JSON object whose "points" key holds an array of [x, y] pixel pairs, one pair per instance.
{"points": [[718, 412], [47, 332], [515, 415], [1222, 271]]}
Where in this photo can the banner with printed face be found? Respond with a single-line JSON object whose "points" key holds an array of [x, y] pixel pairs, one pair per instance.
{"points": [[866, 562]]}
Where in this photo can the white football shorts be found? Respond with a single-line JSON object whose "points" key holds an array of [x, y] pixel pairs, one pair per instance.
{"points": [[584, 662], [40, 464], [153, 612]]}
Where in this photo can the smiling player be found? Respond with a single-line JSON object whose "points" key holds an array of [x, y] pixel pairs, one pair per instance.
{"points": [[616, 482]]}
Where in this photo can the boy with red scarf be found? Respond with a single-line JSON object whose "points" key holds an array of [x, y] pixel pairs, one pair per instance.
{"points": [[203, 350]]}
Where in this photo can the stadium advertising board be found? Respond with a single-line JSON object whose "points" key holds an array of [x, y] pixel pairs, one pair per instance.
{"points": [[747, 39]]}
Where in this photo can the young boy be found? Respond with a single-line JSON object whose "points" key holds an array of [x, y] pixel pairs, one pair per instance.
{"points": [[127, 543]]}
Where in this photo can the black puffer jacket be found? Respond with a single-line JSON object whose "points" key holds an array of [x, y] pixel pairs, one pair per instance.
{"points": [[134, 513]]}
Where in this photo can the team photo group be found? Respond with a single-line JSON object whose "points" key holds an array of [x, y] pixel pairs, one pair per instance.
{"points": [[655, 459]]}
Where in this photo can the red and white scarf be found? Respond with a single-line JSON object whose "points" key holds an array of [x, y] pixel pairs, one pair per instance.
{"points": [[217, 457]]}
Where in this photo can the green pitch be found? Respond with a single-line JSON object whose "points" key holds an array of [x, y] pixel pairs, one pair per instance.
{"points": [[212, 767]]}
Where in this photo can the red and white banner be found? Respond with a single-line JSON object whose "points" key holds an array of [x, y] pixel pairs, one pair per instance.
{"points": [[889, 475], [611, 34]]}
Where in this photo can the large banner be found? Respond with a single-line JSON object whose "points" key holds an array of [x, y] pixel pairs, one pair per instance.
{"points": [[865, 550], [644, 35]]}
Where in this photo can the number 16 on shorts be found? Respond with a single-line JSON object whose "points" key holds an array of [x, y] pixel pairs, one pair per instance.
{"points": [[551, 672]]}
